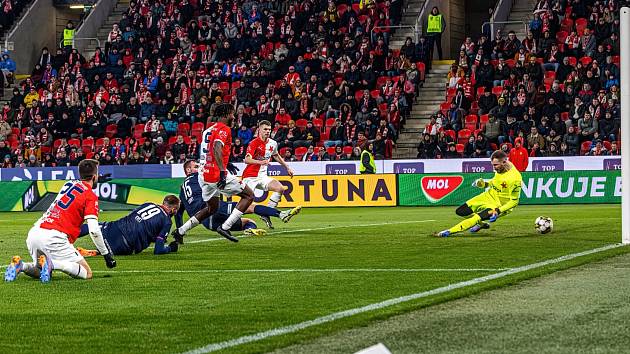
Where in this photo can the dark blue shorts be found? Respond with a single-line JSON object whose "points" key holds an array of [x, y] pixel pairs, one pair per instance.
{"points": [[117, 242]]}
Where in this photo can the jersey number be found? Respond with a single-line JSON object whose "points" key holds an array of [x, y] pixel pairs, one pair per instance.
{"points": [[148, 212], [187, 189], [69, 195]]}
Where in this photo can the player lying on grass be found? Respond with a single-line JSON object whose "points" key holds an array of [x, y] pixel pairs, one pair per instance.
{"points": [[192, 201], [50, 241], [149, 223], [215, 150], [260, 151], [499, 199]]}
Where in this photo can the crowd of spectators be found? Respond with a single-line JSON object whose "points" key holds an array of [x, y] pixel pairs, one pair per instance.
{"points": [[320, 71], [557, 89]]}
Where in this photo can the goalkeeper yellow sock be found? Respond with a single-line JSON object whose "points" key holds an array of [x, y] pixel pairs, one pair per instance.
{"points": [[465, 224]]}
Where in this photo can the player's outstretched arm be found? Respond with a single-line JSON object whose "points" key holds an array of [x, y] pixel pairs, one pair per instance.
{"points": [[161, 247], [100, 243]]}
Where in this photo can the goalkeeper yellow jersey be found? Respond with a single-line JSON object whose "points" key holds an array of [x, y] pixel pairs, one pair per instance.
{"points": [[506, 188]]}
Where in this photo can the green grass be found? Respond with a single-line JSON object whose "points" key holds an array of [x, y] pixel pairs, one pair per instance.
{"points": [[158, 311]]}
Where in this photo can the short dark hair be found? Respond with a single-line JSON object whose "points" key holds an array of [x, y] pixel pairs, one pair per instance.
{"points": [[264, 122], [223, 110], [499, 154], [171, 201], [88, 168], [188, 163]]}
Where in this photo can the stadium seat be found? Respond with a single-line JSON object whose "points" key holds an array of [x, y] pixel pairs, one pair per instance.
{"points": [[347, 149], [99, 144], [580, 25], [572, 61], [460, 149], [585, 147], [299, 152], [56, 143], [497, 90], [183, 129], [330, 122], [301, 123], [318, 123], [324, 135], [422, 69], [444, 107], [483, 120], [564, 116], [284, 150], [463, 135], [330, 150], [74, 142], [566, 25], [172, 140], [480, 91], [586, 60], [88, 143], [451, 133], [111, 130], [607, 144], [138, 129], [13, 138], [561, 36], [198, 126], [375, 94], [550, 75], [15, 131], [470, 122], [616, 59], [224, 86]]}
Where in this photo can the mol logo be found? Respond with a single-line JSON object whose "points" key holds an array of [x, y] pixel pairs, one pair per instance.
{"points": [[436, 188]]}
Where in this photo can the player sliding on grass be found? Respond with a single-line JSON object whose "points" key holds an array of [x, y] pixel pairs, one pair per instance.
{"points": [[215, 150], [259, 154], [499, 199], [148, 223], [191, 202], [50, 240]]}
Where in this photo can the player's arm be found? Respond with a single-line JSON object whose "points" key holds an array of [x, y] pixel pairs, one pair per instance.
{"points": [[179, 216], [91, 218], [281, 161], [217, 148], [250, 161], [160, 246], [515, 196]]}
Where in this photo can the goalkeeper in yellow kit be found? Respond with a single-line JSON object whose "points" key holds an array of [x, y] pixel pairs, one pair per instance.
{"points": [[500, 198]]}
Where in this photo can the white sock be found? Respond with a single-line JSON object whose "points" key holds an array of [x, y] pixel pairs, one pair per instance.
{"points": [[30, 269], [274, 199], [188, 225], [73, 269], [234, 216]]}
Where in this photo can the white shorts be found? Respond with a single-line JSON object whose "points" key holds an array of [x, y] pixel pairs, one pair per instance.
{"points": [[54, 243], [233, 186], [261, 183]]}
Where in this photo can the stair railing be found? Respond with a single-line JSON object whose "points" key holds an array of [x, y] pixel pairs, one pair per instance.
{"points": [[500, 14], [502, 23]]}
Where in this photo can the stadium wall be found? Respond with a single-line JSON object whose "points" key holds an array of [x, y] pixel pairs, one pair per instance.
{"points": [[560, 187]]}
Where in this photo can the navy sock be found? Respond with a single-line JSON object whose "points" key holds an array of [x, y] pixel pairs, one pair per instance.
{"points": [[266, 211]]}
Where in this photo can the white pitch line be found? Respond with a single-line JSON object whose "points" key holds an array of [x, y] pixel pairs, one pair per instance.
{"points": [[387, 303], [316, 229], [311, 270]]}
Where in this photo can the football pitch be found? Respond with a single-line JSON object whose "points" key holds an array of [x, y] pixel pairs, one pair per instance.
{"points": [[327, 270]]}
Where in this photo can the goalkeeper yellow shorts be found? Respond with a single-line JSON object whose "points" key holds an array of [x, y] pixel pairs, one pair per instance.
{"points": [[482, 202]]}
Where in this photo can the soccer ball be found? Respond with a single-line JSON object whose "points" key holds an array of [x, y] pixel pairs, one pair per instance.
{"points": [[543, 224]]}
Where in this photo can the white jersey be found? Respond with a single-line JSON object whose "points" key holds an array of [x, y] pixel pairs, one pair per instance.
{"points": [[204, 147]]}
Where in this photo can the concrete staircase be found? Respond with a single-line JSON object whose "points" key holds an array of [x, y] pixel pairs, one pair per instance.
{"points": [[431, 95], [114, 17], [522, 10]]}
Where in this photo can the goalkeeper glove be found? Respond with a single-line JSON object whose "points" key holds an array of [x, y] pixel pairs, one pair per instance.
{"points": [[104, 178], [479, 183], [232, 168], [222, 179], [495, 216], [110, 261], [174, 246]]}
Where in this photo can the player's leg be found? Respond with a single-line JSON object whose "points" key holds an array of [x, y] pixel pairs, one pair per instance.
{"points": [[471, 210], [210, 195], [17, 265], [62, 255], [265, 212], [277, 190], [235, 187]]}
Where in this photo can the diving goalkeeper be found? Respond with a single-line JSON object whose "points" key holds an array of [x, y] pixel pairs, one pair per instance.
{"points": [[500, 197]]}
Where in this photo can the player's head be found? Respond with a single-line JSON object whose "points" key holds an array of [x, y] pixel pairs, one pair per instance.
{"points": [[190, 167], [170, 204], [88, 171], [499, 161], [264, 129], [225, 113]]}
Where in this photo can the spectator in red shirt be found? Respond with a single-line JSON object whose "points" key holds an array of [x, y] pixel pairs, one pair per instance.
{"points": [[519, 155]]}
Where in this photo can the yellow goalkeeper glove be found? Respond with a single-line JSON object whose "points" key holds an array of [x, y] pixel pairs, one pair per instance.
{"points": [[480, 183]]}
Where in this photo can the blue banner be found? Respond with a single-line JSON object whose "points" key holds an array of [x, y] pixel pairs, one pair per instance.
{"points": [[66, 173]]}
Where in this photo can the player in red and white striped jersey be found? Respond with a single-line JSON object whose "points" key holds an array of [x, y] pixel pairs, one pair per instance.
{"points": [[259, 154]]}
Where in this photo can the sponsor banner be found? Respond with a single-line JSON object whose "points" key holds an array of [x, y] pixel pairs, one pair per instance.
{"points": [[67, 173], [559, 187], [540, 164], [336, 191]]}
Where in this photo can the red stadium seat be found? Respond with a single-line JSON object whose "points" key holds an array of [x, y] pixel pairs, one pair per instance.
{"points": [[470, 122], [497, 90], [607, 144], [330, 150], [585, 147], [580, 25], [224, 86], [300, 152], [586, 60], [572, 61], [88, 143], [284, 150], [616, 59], [56, 143], [74, 142], [375, 94], [460, 149], [319, 123], [301, 123], [99, 144], [561, 36], [451, 133], [483, 120], [198, 126], [422, 69], [550, 74], [111, 130], [564, 116], [138, 129], [463, 135], [444, 107], [330, 122], [347, 149]]}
